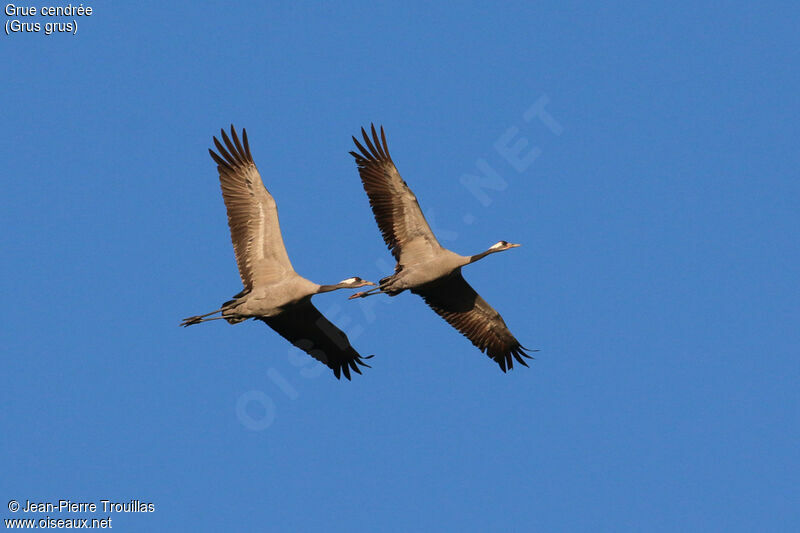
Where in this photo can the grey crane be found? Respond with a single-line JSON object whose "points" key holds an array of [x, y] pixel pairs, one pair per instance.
{"points": [[273, 292], [424, 266]]}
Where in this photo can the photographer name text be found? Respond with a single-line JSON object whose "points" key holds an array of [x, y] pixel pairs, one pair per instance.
{"points": [[105, 506]]}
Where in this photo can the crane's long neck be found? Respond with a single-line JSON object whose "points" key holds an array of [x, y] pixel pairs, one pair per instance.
{"points": [[481, 255], [329, 288]]}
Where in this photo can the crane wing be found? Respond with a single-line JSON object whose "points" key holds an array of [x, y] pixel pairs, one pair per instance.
{"points": [[457, 302], [305, 327], [252, 214], [396, 210]]}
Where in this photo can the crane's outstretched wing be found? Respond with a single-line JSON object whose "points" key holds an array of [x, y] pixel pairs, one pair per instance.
{"points": [[396, 210], [457, 302], [308, 329], [252, 214]]}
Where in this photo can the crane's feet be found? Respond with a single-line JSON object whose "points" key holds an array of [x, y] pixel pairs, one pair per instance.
{"points": [[361, 294], [191, 320]]}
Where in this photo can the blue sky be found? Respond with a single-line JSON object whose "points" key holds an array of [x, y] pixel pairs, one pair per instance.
{"points": [[658, 272]]}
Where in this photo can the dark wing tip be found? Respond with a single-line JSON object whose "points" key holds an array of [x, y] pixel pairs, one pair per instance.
{"points": [[385, 145], [377, 142], [237, 158], [353, 364], [229, 160], [233, 153], [217, 159], [505, 359], [239, 148], [246, 144], [501, 360], [373, 149]]}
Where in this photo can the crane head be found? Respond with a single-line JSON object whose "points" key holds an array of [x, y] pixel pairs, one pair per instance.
{"points": [[503, 245], [355, 282]]}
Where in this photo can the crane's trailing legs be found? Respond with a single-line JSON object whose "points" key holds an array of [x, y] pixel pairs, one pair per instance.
{"points": [[197, 319], [364, 294]]}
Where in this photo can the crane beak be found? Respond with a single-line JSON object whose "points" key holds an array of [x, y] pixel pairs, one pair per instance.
{"points": [[512, 245], [369, 283]]}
